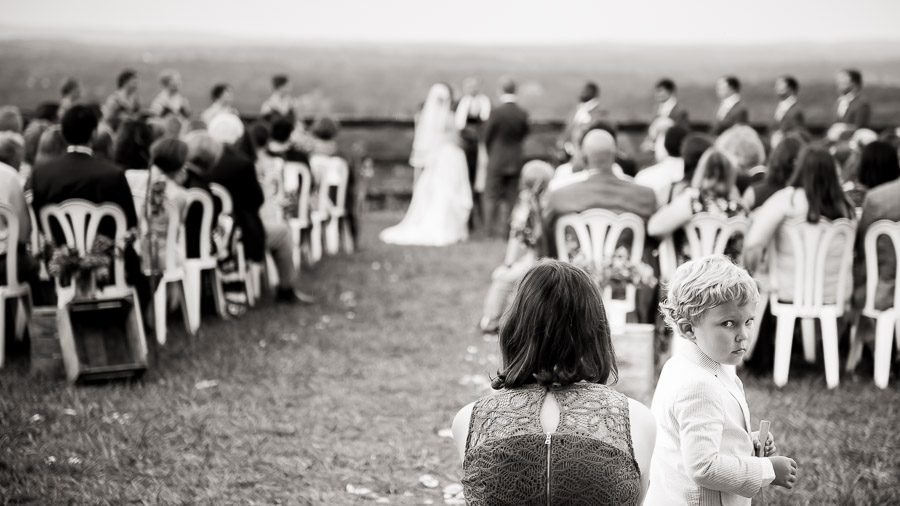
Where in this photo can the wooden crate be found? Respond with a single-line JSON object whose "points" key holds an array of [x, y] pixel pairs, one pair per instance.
{"points": [[102, 339], [46, 353], [634, 347]]}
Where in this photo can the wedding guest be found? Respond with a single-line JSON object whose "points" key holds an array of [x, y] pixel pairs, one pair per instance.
{"points": [[587, 112], [12, 151], [853, 107], [778, 171], [705, 450], [527, 242], [731, 110], [79, 175], [553, 414], [712, 191], [505, 134], [50, 147], [692, 149], [237, 174], [788, 113], [170, 99], [280, 103], [878, 164], [670, 166], [202, 154], [167, 161], [743, 146], [32, 137], [813, 193], [131, 148], [222, 95], [561, 176], [70, 94], [123, 103], [10, 119]]}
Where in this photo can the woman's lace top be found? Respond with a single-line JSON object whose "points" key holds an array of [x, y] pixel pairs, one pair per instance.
{"points": [[588, 460]]}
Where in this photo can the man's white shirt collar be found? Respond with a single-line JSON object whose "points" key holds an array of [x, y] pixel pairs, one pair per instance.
{"points": [[727, 104], [665, 108], [80, 149], [508, 98], [784, 106]]}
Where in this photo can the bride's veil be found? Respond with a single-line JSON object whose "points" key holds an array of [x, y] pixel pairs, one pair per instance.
{"points": [[432, 124]]}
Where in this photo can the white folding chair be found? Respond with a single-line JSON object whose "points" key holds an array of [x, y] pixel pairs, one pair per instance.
{"points": [[172, 273], [13, 289], [79, 220], [206, 262], [811, 244], [598, 232], [334, 173], [248, 273], [301, 221], [886, 320], [36, 240]]}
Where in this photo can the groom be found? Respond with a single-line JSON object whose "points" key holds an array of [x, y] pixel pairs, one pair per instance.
{"points": [[505, 134]]}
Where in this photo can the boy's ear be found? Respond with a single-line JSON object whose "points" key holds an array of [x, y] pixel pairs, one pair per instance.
{"points": [[685, 328]]}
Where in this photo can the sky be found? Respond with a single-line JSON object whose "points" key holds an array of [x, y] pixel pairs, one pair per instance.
{"points": [[476, 22]]}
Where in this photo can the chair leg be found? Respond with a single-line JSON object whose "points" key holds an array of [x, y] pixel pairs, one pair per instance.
{"points": [[296, 247], [192, 287], [830, 351], [884, 338], [23, 312], [754, 335], [315, 242], [159, 313], [349, 246], [185, 312], [808, 326], [2, 330], [332, 236], [856, 347], [219, 294], [784, 337]]}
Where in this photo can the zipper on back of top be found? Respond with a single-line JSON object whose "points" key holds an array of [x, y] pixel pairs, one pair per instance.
{"points": [[547, 443]]}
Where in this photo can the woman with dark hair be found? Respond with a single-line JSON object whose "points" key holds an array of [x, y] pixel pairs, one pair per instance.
{"points": [[50, 146], [168, 157], [780, 167], [813, 194], [555, 433], [878, 164], [131, 149], [692, 148]]}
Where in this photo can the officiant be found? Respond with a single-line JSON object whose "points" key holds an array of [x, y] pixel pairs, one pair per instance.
{"points": [[472, 111]]}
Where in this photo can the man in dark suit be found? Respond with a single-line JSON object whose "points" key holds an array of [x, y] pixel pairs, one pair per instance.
{"points": [[80, 175], [731, 110], [852, 106], [668, 104], [788, 113], [505, 134]]}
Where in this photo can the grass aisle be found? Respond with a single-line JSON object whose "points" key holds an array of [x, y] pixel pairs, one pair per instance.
{"points": [[351, 394]]}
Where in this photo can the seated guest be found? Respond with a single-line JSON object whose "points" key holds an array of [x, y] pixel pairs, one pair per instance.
{"points": [[170, 101], [670, 169], [131, 147], [563, 173], [731, 110], [223, 101], [280, 146], [167, 161], [51, 146], [712, 191], [853, 109], [527, 242], [32, 137], [597, 187], [692, 149], [123, 103], [237, 174], [70, 94], [202, 155], [747, 153], [10, 119], [778, 171], [878, 164], [556, 356], [813, 194], [280, 104], [11, 195], [78, 175]]}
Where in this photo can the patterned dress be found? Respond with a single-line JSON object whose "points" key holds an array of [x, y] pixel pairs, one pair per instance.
{"points": [[589, 460]]}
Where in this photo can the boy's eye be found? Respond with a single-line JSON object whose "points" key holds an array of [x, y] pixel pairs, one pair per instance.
{"points": [[728, 324], [750, 322]]}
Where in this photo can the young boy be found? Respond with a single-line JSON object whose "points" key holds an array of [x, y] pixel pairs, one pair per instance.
{"points": [[704, 452]]}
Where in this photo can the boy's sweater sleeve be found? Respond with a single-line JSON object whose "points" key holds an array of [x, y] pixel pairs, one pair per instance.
{"points": [[701, 422]]}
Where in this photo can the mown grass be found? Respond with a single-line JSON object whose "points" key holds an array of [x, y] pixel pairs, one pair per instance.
{"points": [[353, 392]]}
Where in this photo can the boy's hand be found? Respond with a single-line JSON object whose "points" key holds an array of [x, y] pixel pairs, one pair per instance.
{"points": [[785, 471], [770, 445]]}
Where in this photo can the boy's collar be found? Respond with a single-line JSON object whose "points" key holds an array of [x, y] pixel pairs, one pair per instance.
{"points": [[694, 354]]}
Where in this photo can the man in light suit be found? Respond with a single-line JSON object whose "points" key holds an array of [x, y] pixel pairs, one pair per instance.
{"points": [[586, 113], [853, 107], [788, 113], [731, 110], [704, 453], [505, 134]]}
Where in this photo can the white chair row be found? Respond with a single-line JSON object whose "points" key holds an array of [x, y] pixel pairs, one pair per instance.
{"points": [[13, 289]]}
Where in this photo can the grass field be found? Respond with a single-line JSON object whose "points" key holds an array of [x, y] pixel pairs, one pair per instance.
{"points": [[351, 394]]}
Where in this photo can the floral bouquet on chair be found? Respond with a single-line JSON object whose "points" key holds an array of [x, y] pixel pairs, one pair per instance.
{"points": [[615, 272], [88, 271]]}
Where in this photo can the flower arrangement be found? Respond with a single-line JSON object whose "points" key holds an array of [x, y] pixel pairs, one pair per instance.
{"points": [[616, 271], [68, 265]]}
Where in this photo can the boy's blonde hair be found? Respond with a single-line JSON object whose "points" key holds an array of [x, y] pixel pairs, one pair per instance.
{"points": [[702, 284]]}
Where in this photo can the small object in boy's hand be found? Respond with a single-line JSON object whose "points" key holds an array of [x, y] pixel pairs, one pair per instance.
{"points": [[763, 436]]}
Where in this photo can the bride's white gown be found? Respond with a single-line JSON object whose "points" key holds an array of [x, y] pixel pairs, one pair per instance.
{"points": [[438, 213]]}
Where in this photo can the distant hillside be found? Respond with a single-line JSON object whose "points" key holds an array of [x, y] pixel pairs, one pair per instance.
{"points": [[391, 80]]}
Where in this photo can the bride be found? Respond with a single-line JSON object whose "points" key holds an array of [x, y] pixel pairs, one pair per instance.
{"points": [[438, 214]]}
